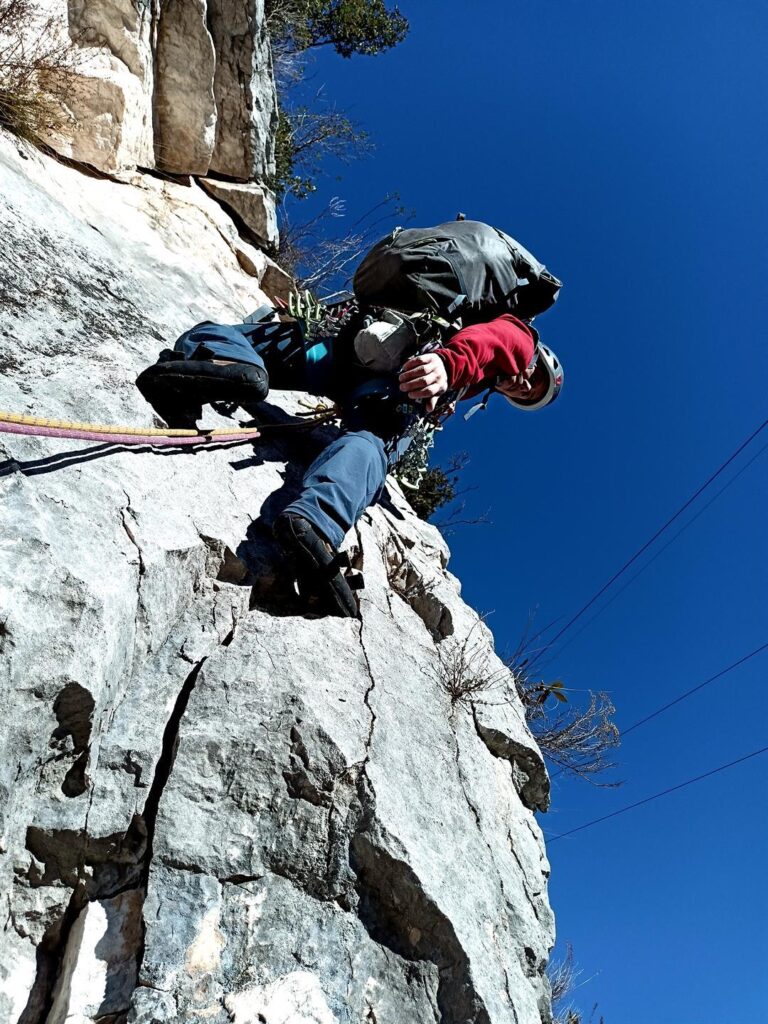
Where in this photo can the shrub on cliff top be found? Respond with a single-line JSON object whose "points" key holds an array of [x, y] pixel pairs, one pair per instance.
{"points": [[350, 26], [37, 66], [305, 138]]}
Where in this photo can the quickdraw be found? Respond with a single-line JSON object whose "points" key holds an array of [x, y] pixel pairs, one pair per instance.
{"points": [[305, 307], [410, 469]]}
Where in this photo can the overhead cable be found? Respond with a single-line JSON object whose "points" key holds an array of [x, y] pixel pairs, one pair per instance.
{"points": [[695, 689], [681, 697], [657, 554], [665, 526], [656, 796]]}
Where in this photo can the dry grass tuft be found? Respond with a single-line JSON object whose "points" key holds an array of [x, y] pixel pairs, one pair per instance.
{"points": [[464, 671], [577, 738], [563, 978], [37, 70]]}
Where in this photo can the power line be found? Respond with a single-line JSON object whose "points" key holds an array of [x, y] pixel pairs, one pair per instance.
{"points": [[722, 672], [656, 796], [656, 535], [660, 552], [681, 697], [695, 689]]}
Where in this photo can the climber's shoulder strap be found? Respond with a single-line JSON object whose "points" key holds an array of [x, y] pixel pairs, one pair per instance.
{"points": [[261, 314]]}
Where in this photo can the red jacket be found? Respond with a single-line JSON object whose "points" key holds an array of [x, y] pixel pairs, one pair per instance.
{"points": [[475, 356]]}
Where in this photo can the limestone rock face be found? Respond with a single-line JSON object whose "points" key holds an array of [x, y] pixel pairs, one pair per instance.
{"points": [[244, 88], [110, 101], [182, 85], [212, 807], [185, 109], [253, 204]]}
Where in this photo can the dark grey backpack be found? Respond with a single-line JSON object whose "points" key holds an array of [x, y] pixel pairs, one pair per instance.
{"points": [[462, 268]]}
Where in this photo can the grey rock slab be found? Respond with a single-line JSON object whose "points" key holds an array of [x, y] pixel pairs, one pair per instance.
{"points": [[254, 205], [257, 811], [446, 740]]}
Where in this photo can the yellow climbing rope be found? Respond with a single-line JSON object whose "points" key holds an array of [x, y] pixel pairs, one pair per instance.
{"points": [[103, 428]]}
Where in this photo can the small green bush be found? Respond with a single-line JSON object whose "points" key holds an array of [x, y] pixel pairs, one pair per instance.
{"points": [[349, 26]]}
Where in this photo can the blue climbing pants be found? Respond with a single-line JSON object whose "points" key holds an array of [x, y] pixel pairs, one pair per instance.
{"points": [[222, 341], [348, 475], [341, 483]]}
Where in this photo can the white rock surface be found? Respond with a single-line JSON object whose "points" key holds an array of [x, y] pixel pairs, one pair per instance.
{"points": [[182, 85], [307, 829]]}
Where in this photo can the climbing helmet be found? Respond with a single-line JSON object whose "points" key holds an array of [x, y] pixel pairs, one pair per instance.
{"points": [[543, 357]]}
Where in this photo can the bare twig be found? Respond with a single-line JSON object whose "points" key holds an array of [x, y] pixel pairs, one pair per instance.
{"points": [[38, 66], [465, 672], [577, 738], [319, 258]]}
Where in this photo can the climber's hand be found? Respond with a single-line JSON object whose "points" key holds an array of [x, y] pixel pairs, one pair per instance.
{"points": [[424, 377]]}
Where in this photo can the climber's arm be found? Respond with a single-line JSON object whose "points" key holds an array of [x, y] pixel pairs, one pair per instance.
{"points": [[478, 355]]}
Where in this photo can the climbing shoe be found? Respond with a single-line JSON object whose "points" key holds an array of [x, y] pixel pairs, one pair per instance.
{"points": [[318, 566], [177, 388]]}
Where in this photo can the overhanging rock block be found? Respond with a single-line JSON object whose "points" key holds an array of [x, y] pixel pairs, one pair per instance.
{"points": [[244, 88], [182, 85], [253, 204], [108, 100]]}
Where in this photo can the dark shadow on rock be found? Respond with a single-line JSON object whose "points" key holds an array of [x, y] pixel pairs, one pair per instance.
{"points": [[386, 503], [398, 913], [118, 949], [49, 955], [63, 460], [74, 708]]}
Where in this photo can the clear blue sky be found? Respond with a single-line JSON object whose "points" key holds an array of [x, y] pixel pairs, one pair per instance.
{"points": [[625, 144]]}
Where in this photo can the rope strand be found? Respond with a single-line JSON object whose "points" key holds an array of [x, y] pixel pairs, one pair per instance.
{"points": [[39, 426]]}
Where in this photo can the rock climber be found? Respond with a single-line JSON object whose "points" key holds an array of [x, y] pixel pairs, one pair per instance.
{"points": [[239, 363]]}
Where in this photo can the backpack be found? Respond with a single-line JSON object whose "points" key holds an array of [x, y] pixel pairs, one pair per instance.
{"points": [[462, 268]]}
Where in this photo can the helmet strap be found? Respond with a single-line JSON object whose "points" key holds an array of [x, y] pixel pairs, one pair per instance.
{"points": [[481, 406]]}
